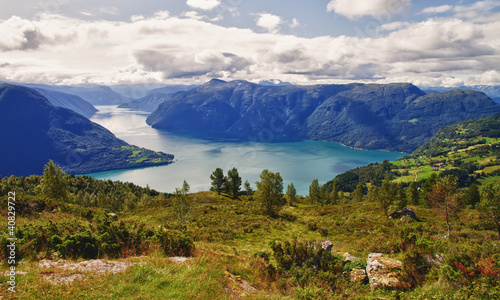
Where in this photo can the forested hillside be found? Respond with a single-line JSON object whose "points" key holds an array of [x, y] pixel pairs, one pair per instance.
{"points": [[398, 117]]}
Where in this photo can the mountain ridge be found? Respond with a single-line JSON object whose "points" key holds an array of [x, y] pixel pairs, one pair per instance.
{"points": [[35, 131], [395, 117]]}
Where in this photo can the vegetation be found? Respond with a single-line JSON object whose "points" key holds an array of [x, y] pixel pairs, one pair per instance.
{"points": [[296, 251], [218, 180], [270, 192]]}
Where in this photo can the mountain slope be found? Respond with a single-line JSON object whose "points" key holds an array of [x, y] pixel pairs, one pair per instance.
{"points": [[94, 94], [468, 149], [148, 103], [73, 102], [396, 117], [34, 131]]}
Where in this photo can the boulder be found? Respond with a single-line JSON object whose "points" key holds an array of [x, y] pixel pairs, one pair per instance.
{"points": [[113, 216], [348, 257], [405, 212], [383, 271], [358, 276]]}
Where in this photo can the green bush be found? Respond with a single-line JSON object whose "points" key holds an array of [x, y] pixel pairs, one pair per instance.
{"points": [[175, 243]]}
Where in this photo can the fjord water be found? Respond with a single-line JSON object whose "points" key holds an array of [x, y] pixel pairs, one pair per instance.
{"points": [[197, 155]]}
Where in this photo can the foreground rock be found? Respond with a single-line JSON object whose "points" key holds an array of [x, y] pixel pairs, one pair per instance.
{"points": [[404, 213], [383, 271], [95, 266]]}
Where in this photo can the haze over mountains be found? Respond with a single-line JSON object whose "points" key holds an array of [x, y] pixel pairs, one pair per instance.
{"points": [[34, 131], [397, 117]]}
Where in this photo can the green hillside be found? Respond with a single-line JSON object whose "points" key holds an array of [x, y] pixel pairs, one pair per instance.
{"points": [[225, 248], [469, 150]]}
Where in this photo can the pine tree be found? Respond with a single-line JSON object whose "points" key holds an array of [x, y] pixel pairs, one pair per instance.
{"points": [[334, 195], [315, 192], [386, 196], [412, 194], [218, 180], [54, 182], [270, 191], [359, 192], [248, 188], [291, 194], [233, 182], [444, 198]]}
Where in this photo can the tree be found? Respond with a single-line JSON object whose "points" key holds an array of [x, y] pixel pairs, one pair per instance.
{"points": [[359, 192], [443, 197], [472, 196], [386, 196], [269, 191], [54, 182], [248, 188], [412, 194], [291, 193], [400, 197], [315, 191], [334, 195], [373, 193], [233, 182], [490, 204], [218, 180], [181, 205], [427, 188]]}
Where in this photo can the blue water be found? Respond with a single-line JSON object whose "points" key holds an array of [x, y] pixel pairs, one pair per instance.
{"points": [[197, 156]]}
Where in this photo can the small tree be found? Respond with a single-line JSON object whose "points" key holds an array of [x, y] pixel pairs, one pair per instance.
{"points": [[54, 182], [270, 191], [359, 192], [412, 194], [181, 205], [490, 204], [218, 180], [400, 197], [472, 196], [233, 182], [315, 191], [334, 195], [386, 196], [291, 193], [248, 188], [443, 196]]}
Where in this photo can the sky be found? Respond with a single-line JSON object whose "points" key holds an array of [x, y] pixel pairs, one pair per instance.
{"points": [[427, 43]]}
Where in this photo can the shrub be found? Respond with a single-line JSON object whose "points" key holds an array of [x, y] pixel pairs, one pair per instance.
{"points": [[175, 243]]}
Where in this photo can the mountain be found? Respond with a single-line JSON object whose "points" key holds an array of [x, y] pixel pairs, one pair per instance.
{"points": [[34, 131], [493, 91], [396, 117], [72, 102], [148, 103], [468, 149], [171, 89], [94, 94]]}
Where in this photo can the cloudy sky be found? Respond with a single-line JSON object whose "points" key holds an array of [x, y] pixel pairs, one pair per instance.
{"points": [[428, 43]]}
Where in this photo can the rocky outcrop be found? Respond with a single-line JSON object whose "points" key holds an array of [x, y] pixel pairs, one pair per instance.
{"points": [[405, 212], [358, 276], [383, 271]]}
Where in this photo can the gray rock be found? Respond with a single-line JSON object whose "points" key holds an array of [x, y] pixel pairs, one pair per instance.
{"points": [[383, 271]]}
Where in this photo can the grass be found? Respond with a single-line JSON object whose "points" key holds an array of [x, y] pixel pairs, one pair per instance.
{"points": [[229, 233]]}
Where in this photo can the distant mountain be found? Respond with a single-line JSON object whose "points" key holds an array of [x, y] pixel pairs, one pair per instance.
{"points": [[493, 91], [73, 102], [171, 89], [397, 117], [148, 103], [34, 131], [94, 94]]}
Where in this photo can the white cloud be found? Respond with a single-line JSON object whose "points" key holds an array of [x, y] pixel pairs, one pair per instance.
{"points": [[354, 9], [175, 49], [295, 23], [269, 21], [203, 4], [436, 9]]}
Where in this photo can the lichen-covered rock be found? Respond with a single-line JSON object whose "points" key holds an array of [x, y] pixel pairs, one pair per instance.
{"points": [[348, 257], [383, 271], [358, 276]]}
